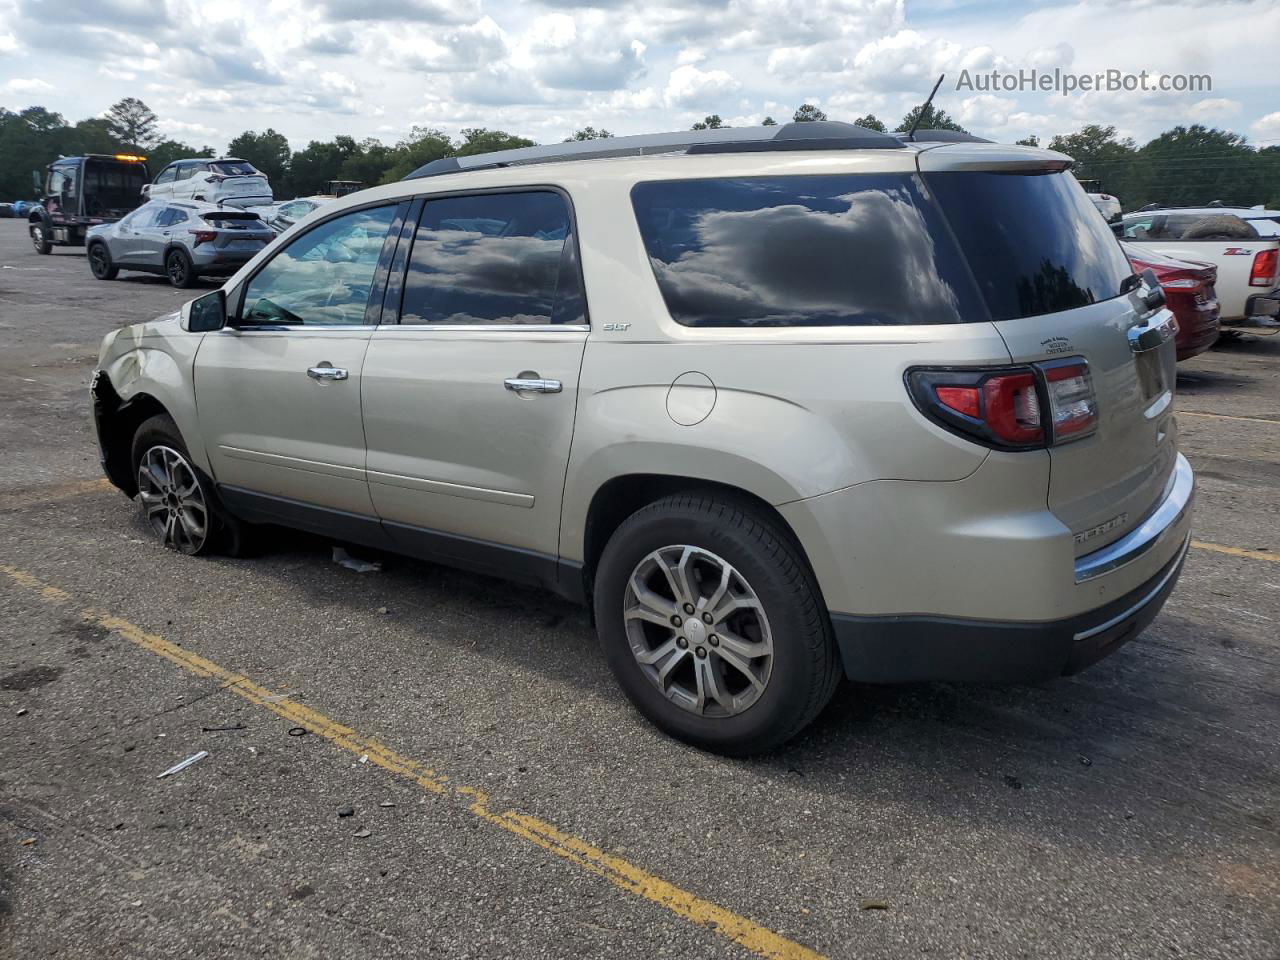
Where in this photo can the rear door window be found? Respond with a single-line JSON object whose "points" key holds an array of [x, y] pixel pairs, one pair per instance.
{"points": [[233, 168], [1034, 241], [859, 249], [495, 258]]}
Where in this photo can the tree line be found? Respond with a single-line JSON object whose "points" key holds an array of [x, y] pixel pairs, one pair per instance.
{"points": [[1182, 166]]}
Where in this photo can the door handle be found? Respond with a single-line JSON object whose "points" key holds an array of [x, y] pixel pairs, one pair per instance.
{"points": [[326, 371], [532, 385], [1149, 336]]}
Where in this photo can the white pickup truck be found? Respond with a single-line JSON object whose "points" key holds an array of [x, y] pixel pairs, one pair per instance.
{"points": [[1243, 243]]}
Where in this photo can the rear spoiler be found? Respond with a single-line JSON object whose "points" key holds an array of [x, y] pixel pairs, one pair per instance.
{"points": [[959, 156]]}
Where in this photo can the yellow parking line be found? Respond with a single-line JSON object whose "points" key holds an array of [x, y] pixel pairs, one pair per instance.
{"points": [[622, 874], [1223, 416], [51, 493], [1236, 551]]}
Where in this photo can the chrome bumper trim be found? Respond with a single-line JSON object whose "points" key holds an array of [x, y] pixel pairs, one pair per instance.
{"points": [[1147, 598], [1153, 531]]}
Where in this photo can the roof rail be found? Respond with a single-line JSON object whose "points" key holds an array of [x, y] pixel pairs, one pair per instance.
{"points": [[943, 136], [812, 135]]}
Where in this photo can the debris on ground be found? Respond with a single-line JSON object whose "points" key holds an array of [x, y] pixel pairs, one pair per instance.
{"points": [[344, 559], [387, 803], [280, 697], [346, 811], [364, 758], [194, 758], [1086, 762], [1012, 782], [872, 904], [383, 610], [22, 712], [27, 841], [237, 726], [297, 731], [361, 834]]}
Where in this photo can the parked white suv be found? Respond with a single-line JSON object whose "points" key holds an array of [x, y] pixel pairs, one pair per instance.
{"points": [[778, 403], [227, 180]]}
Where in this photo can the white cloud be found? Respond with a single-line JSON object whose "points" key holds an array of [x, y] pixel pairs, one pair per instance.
{"points": [[1214, 108], [688, 86], [27, 85], [8, 43], [1267, 128]]}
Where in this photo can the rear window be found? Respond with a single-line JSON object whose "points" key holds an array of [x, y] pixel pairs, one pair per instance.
{"points": [[232, 221], [234, 168], [803, 251], [1034, 242]]}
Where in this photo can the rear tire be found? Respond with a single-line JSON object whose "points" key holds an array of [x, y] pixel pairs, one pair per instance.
{"points": [[718, 555], [179, 269], [40, 238], [179, 502], [100, 262]]}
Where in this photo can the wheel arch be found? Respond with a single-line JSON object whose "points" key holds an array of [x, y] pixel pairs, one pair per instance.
{"points": [[117, 421], [621, 496]]}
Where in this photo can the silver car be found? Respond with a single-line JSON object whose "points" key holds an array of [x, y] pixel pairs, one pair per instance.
{"points": [[779, 404], [182, 240]]}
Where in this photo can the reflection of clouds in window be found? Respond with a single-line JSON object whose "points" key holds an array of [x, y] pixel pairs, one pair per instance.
{"points": [[872, 262]]}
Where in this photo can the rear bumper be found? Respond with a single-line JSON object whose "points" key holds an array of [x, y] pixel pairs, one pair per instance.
{"points": [[912, 649], [1262, 309]]}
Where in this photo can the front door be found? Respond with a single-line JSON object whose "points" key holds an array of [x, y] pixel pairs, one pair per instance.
{"points": [[469, 400], [278, 394]]}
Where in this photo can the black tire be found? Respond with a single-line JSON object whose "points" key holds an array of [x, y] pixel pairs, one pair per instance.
{"points": [[225, 534], [805, 666], [40, 237], [179, 270], [100, 262], [1221, 226]]}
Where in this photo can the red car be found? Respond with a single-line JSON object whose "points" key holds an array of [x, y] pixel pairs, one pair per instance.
{"points": [[1188, 291]]}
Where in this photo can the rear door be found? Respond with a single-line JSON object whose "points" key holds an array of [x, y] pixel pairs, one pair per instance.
{"points": [[1059, 287], [469, 401]]}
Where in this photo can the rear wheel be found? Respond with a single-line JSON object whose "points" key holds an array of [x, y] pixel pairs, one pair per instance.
{"points": [[40, 238], [713, 625], [178, 268], [178, 501], [100, 262]]}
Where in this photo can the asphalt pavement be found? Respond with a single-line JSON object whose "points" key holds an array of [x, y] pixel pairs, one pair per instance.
{"points": [[417, 762]]}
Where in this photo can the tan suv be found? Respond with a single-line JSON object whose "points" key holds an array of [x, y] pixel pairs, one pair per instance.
{"points": [[778, 403]]}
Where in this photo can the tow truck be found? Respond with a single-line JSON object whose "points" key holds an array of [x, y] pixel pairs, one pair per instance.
{"points": [[77, 193]]}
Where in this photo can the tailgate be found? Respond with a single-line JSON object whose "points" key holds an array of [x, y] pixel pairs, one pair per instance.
{"points": [[1058, 288]]}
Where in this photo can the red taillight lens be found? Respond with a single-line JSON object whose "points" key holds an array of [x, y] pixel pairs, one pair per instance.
{"points": [[1017, 408], [204, 236], [1263, 273], [1012, 409]]}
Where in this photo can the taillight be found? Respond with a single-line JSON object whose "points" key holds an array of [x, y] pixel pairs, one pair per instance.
{"points": [[1004, 407], [1263, 273], [204, 236]]}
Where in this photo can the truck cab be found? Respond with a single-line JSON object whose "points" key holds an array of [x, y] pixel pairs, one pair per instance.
{"points": [[80, 192]]}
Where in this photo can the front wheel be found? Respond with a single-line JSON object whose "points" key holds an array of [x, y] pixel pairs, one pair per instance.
{"points": [[713, 625], [178, 501], [178, 268], [40, 238], [100, 262]]}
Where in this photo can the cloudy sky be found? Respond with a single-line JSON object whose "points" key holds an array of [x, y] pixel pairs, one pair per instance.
{"points": [[542, 68]]}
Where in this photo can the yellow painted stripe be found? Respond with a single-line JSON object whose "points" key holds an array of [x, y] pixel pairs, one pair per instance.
{"points": [[51, 493], [621, 873], [1236, 551], [1223, 416]]}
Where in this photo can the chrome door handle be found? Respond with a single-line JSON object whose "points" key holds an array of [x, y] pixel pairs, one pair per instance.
{"points": [[1149, 336], [532, 385], [326, 372]]}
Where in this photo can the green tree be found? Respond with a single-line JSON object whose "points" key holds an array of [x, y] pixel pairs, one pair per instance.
{"points": [[807, 112], [1028, 141], [1194, 165], [166, 151], [871, 122], [710, 122], [769, 122], [29, 141], [422, 146], [1100, 155], [268, 151], [589, 133], [482, 140], [931, 118], [313, 167], [369, 163], [133, 123]]}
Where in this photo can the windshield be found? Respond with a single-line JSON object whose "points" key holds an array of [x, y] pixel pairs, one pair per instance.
{"points": [[234, 168]]}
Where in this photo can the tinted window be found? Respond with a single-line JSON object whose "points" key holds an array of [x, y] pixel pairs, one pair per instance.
{"points": [[167, 175], [494, 258], [324, 276], [802, 251], [1035, 242], [189, 171], [169, 217], [233, 168]]}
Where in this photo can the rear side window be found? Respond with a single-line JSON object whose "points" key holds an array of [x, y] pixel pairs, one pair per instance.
{"points": [[860, 249], [495, 258], [233, 221], [1035, 243], [233, 168]]}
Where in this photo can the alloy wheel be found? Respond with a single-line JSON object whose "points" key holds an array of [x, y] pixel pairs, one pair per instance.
{"points": [[172, 501], [37, 238], [98, 260], [177, 270], [698, 631]]}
